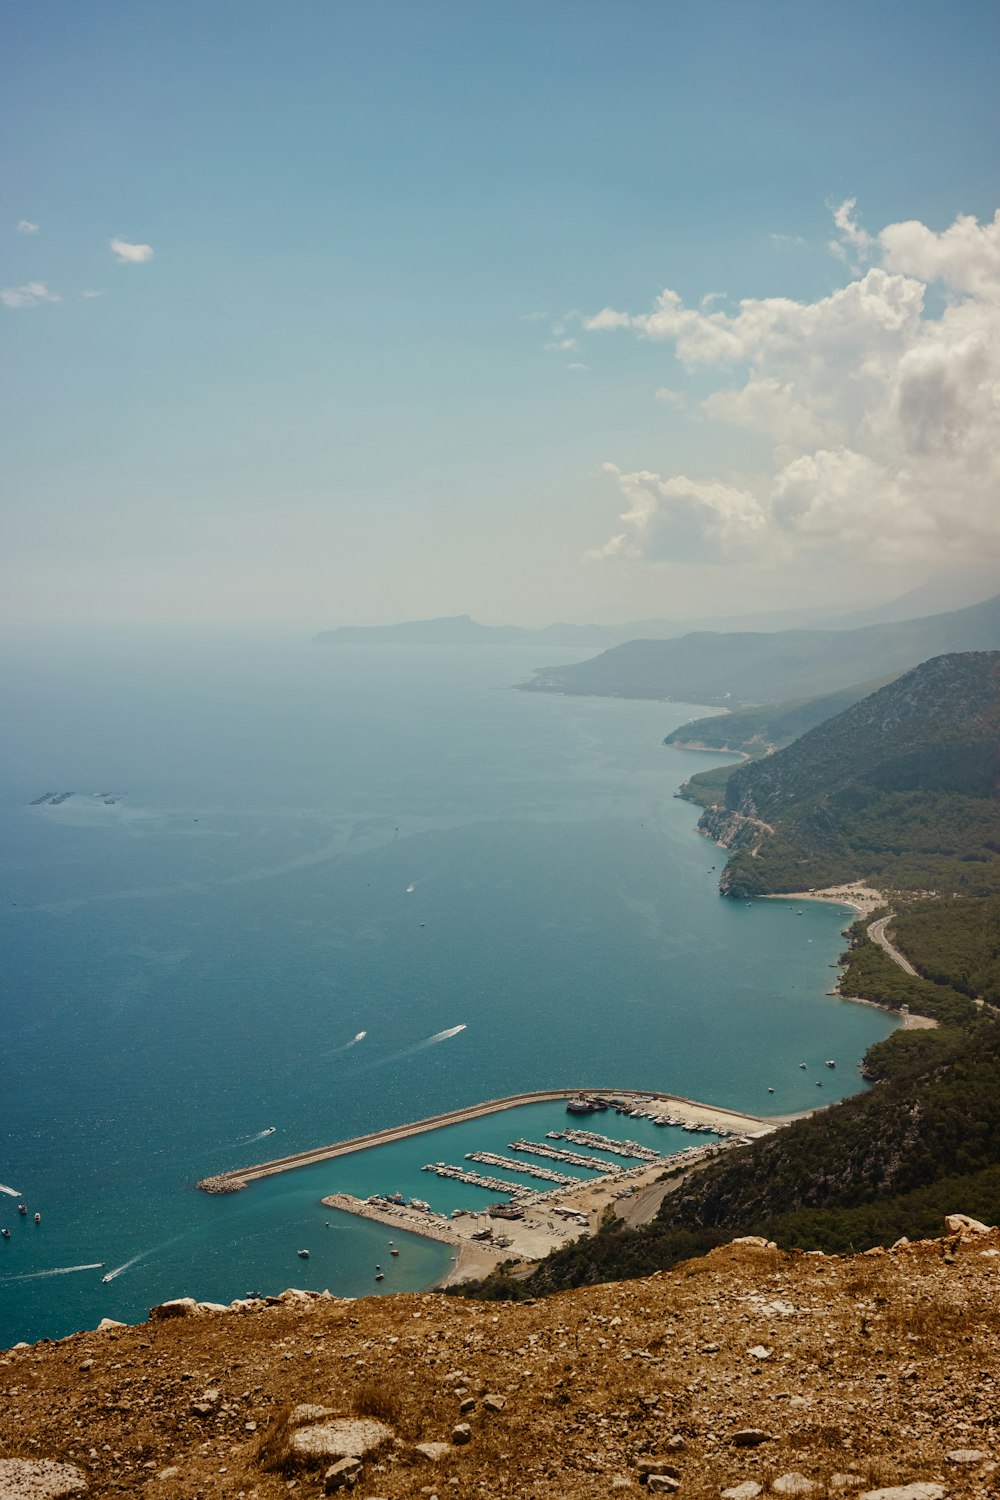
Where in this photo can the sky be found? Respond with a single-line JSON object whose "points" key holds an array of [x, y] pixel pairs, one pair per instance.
{"points": [[350, 311]]}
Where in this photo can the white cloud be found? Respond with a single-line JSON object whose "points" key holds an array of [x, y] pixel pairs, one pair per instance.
{"points": [[28, 295], [532, 317], [129, 254], [25, 226], [576, 365], [883, 417], [89, 293], [562, 344], [788, 241]]}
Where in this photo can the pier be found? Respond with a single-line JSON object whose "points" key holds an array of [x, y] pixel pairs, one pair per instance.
{"points": [[644, 1102]]}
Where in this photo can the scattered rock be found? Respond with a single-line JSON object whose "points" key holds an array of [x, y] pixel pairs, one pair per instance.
{"points": [[347, 1437], [308, 1413], [756, 1240], [435, 1452], [207, 1307], [748, 1490], [86, 1364], [468, 1405], [676, 1444], [963, 1225], [462, 1433], [919, 1491], [751, 1437], [179, 1307], [107, 1324], [759, 1352], [493, 1403], [39, 1479], [170, 1472], [794, 1484], [966, 1456], [662, 1484], [658, 1468], [345, 1472]]}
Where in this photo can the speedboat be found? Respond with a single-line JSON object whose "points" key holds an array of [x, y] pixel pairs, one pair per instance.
{"points": [[270, 1130], [38, 1218], [5, 1233], [304, 1254]]}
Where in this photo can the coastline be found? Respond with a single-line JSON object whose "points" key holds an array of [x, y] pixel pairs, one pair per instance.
{"points": [[865, 900]]}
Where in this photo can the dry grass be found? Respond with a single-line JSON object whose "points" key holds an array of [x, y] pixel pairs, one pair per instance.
{"points": [[383, 1399]]}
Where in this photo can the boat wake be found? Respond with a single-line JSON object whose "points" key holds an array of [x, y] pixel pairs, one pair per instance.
{"points": [[334, 1051], [55, 1271], [11, 1192], [442, 1036], [144, 1255], [246, 1139]]}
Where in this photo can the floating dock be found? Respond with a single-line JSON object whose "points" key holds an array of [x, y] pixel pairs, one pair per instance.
{"points": [[708, 1116]]}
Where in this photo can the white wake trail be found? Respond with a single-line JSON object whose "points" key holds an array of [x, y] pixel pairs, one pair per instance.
{"points": [[56, 1271], [11, 1192]]}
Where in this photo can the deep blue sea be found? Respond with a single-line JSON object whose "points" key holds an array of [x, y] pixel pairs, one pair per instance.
{"points": [[295, 844]]}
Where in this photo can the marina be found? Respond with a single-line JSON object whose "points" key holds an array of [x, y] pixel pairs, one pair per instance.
{"points": [[670, 1109]]}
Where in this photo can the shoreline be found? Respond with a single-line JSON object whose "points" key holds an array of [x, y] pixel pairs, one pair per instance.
{"points": [[865, 900]]}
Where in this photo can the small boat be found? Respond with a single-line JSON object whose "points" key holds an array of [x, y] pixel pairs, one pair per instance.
{"points": [[802, 1065], [269, 1130], [5, 1233], [38, 1218], [380, 1276], [770, 1091], [394, 1251], [22, 1208], [830, 1062], [109, 1277], [304, 1254]]}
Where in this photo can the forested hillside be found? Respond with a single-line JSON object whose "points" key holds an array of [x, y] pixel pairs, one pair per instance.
{"points": [[757, 731]]}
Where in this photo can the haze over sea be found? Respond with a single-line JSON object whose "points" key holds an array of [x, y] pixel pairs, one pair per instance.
{"points": [[303, 844]]}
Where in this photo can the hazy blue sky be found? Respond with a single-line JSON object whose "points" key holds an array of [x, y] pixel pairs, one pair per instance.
{"points": [[327, 312]]}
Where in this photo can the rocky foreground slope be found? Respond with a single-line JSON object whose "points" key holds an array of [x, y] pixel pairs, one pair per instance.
{"points": [[748, 1372]]}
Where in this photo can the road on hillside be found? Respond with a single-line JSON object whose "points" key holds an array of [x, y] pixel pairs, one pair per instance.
{"points": [[877, 934]]}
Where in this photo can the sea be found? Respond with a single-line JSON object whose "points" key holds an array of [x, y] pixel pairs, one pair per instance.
{"points": [[300, 893]]}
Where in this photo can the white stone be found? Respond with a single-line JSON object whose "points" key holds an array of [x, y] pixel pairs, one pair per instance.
{"points": [[177, 1307], [966, 1456], [39, 1479], [432, 1451], [759, 1352], [962, 1224], [213, 1307], [794, 1484], [106, 1325], [346, 1437], [921, 1490], [748, 1490]]}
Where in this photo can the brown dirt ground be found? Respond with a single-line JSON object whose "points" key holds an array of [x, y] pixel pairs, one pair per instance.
{"points": [[877, 1365]]}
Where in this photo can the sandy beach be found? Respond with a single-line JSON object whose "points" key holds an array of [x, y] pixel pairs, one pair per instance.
{"points": [[861, 897]]}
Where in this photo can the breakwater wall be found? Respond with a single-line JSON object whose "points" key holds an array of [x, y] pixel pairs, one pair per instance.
{"points": [[691, 1109]]}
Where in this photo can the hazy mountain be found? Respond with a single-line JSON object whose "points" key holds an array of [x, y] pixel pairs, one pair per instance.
{"points": [[757, 667], [462, 630]]}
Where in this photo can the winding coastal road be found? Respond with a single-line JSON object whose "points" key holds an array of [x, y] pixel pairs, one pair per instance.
{"points": [[877, 934]]}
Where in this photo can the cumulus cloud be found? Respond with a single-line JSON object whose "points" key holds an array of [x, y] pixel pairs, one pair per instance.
{"points": [[129, 254], [882, 416], [28, 295], [25, 226]]}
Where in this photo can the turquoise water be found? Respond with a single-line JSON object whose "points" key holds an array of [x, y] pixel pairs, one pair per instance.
{"points": [[307, 843]]}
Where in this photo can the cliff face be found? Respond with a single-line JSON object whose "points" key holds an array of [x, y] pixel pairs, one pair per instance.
{"points": [[744, 1368]]}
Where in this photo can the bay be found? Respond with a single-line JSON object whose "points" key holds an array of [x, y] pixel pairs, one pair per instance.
{"points": [[293, 845]]}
